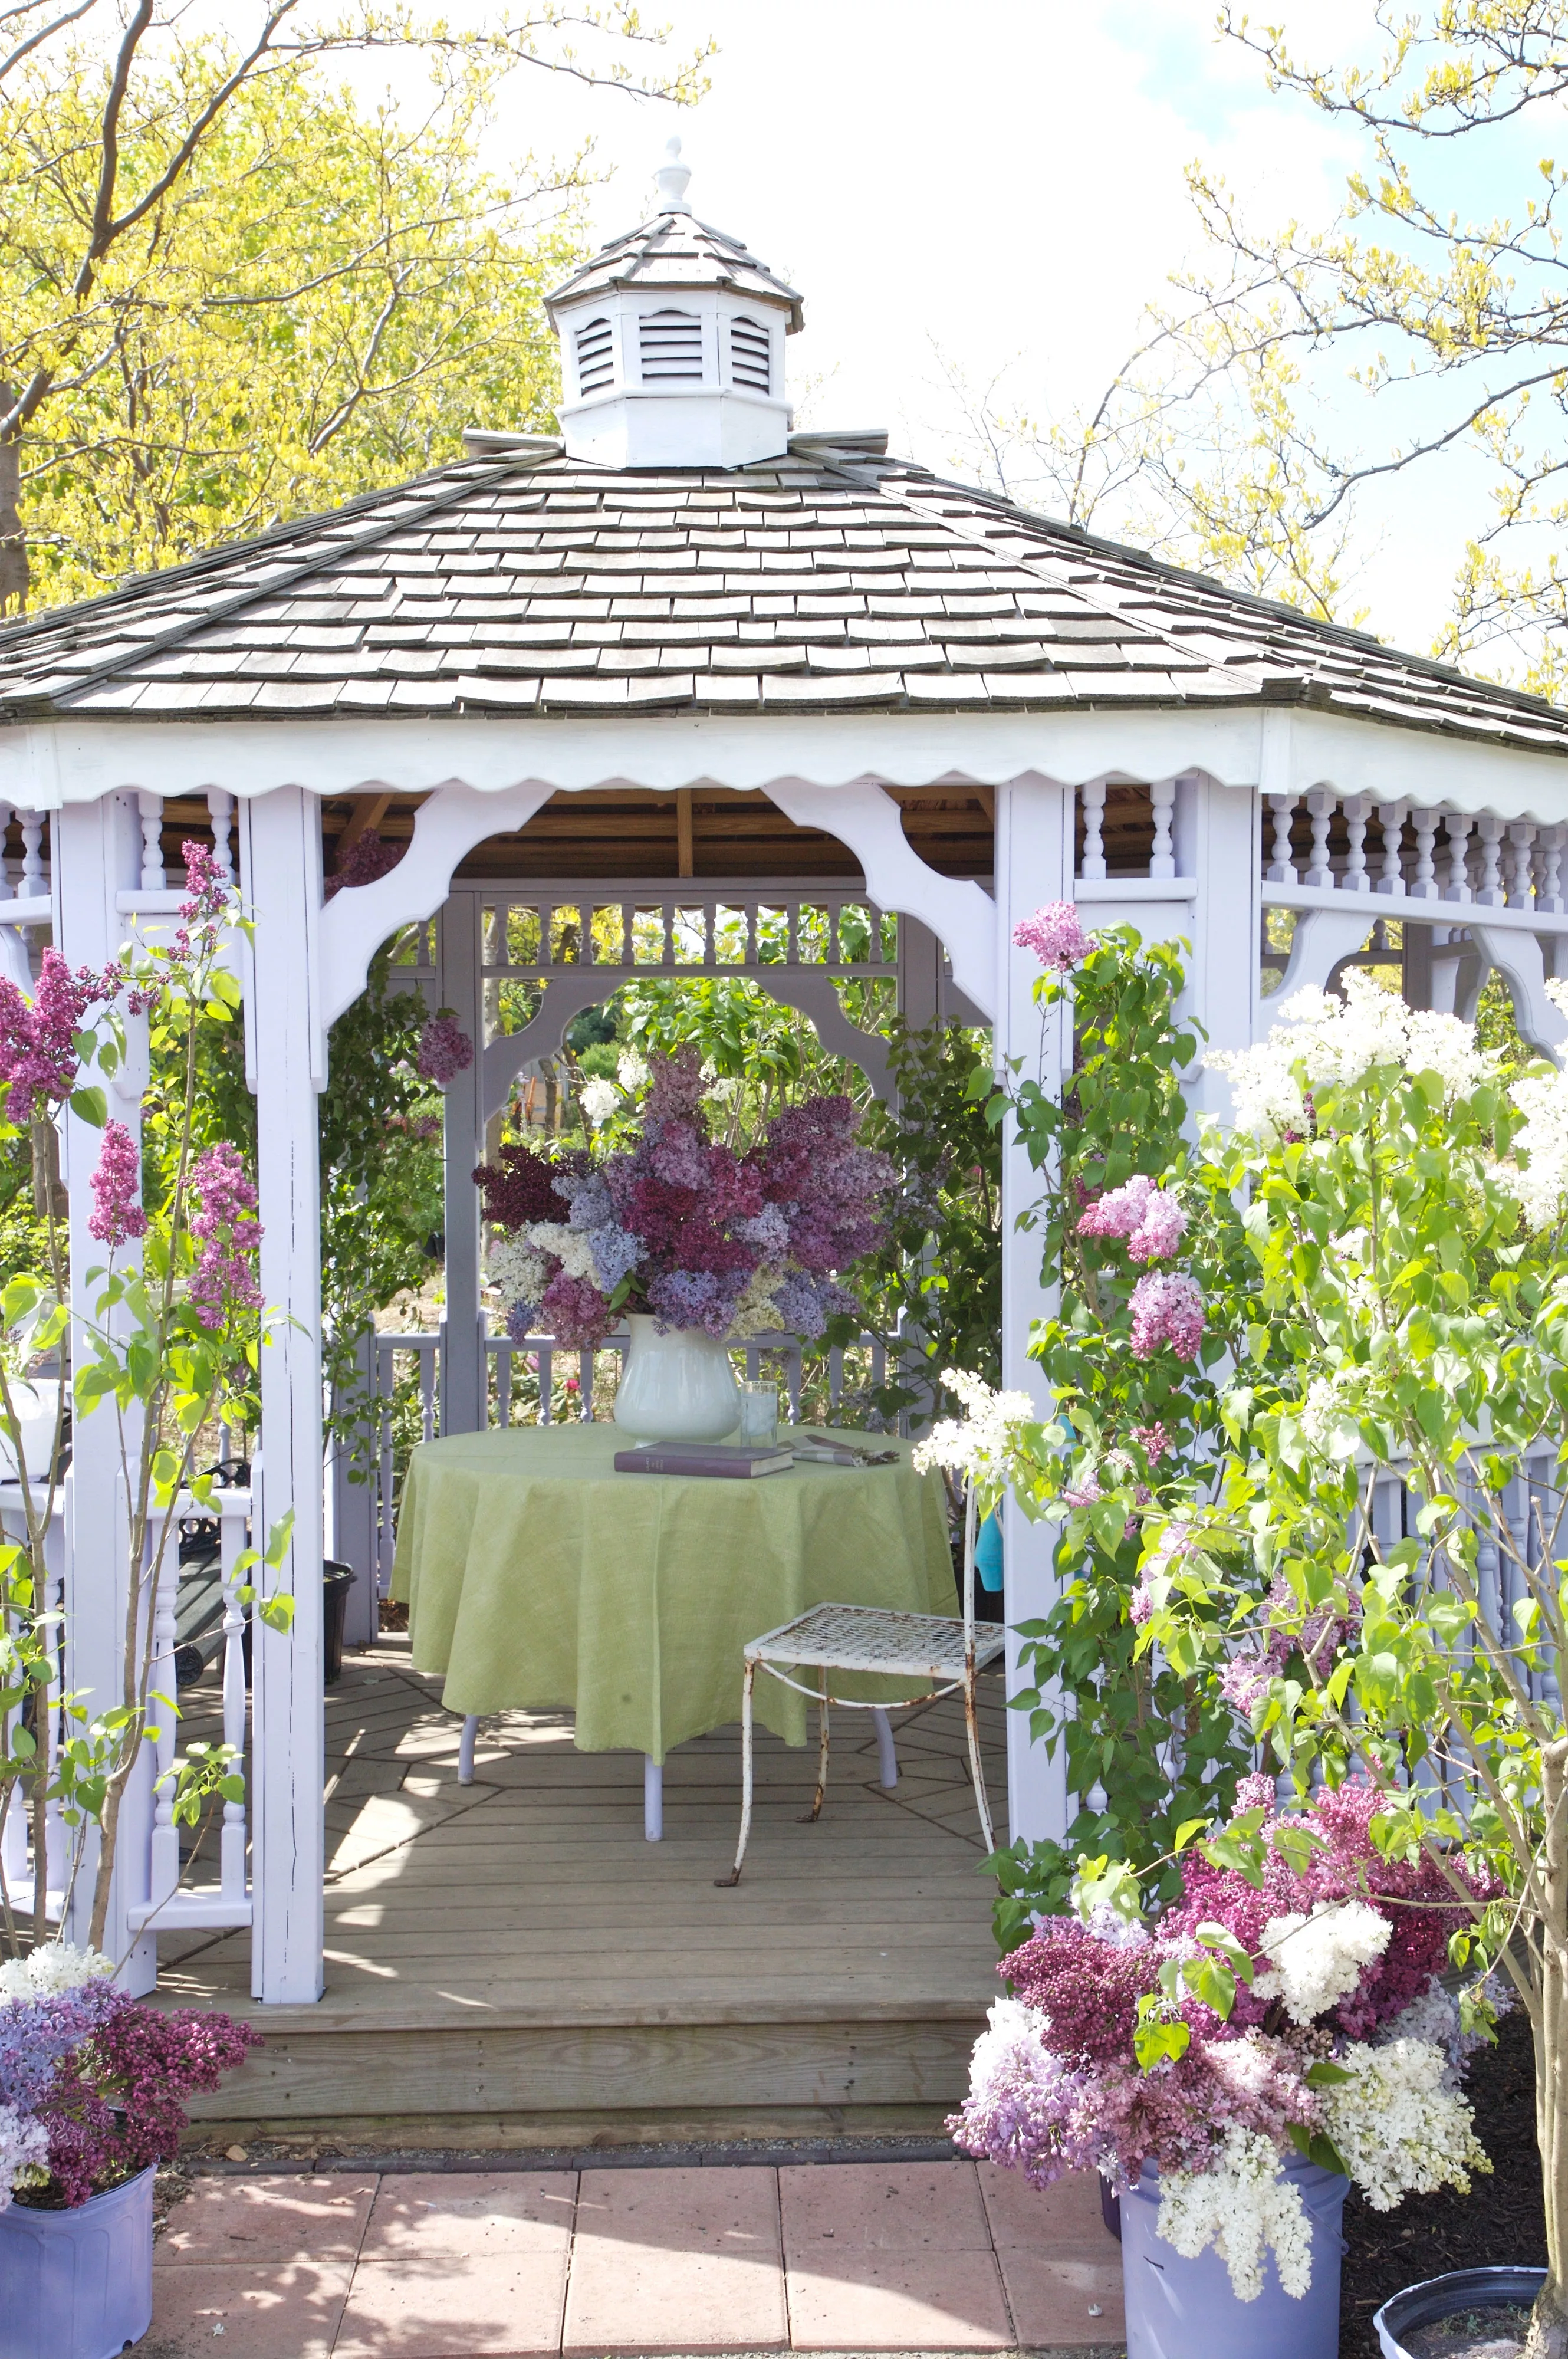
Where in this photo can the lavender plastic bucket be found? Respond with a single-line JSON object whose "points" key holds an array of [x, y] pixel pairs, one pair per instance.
{"points": [[77, 2285], [1178, 2309]]}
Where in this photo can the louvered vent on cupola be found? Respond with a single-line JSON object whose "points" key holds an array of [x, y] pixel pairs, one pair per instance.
{"points": [[751, 356], [670, 348], [595, 357]]}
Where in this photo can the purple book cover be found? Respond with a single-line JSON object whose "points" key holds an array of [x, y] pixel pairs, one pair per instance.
{"points": [[702, 1458]]}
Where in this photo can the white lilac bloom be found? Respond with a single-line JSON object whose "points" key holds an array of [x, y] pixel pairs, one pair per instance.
{"points": [[1542, 1099], [1244, 2209], [598, 1098], [519, 1269], [981, 1443], [1319, 1960], [24, 2151], [1400, 2125], [51, 1968], [1321, 1044], [756, 1312], [631, 1070]]}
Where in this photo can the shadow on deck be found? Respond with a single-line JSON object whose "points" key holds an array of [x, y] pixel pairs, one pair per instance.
{"points": [[511, 1963]]}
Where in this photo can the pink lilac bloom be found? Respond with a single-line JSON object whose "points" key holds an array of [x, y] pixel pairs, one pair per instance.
{"points": [[675, 1087], [1348, 1867], [38, 1037], [444, 1050], [1152, 1439], [1167, 1308], [206, 887], [1055, 936], [1152, 1223], [225, 1227], [117, 1214]]}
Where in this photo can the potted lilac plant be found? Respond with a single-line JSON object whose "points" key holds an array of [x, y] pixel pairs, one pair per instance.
{"points": [[91, 2091], [1279, 2030], [692, 1240]]}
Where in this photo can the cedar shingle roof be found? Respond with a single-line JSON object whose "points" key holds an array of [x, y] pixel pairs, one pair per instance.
{"points": [[825, 580], [675, 251]]}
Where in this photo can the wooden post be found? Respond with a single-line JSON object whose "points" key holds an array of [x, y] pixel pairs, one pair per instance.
{"points": [[280, 839], [96, 851], [919, 974], [464, 1401], [1034, 864], [1219, 840]]}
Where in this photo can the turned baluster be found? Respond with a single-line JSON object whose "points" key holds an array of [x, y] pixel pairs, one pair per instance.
{"points": [[1162, 857], [1357, 811], [1093, 802], [1320, 807], [1282, 867], [1391, 877]]}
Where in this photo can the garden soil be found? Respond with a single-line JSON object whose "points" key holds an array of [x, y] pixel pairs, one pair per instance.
{"points": [[1499, 2221]]}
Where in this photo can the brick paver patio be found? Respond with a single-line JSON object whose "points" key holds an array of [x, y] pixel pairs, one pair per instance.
{"points": [[847, 2258]]}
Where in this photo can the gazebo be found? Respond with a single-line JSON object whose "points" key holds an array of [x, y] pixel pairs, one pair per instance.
{"points": [[682, 659]]}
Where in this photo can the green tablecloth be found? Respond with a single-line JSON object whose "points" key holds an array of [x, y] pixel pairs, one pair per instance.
{"points": [[538, 1579]]}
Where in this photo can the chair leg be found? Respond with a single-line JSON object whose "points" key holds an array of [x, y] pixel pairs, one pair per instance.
{"points": [[466, 1750], [976, 1768], [749, 1683], [652, 1799], [815, 1812], [887, 1757]]}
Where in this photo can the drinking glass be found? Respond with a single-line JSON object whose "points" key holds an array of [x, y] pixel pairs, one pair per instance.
{"points": [[759, 1414]]}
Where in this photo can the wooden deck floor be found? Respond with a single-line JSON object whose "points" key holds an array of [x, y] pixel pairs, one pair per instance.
{"points": [[511, 1961]]}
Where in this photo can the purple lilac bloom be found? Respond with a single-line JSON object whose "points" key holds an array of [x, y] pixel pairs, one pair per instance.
{"points": [[589, 1197], [700, 1298], [675, 1088], [520, 1321], [1055, 936], [616, 1253], [206, 887], [1167, 1308], [35, 2034], [228, 1232], [117, 1214], [575, 1312], [444, 1050], [38, 1037], [371, 857]]}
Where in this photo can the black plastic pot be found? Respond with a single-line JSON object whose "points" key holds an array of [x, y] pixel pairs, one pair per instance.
{"points": [[1435, 2299], [338, 1581]]}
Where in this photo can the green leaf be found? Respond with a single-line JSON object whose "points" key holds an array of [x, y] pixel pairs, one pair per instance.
{"points": [[1211, 1980], [1324, 2075], [1153, 2039], [91, 1106], [1186, 1830]]}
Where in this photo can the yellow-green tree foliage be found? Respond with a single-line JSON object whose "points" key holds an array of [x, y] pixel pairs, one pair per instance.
{"points": [[231, 291]]}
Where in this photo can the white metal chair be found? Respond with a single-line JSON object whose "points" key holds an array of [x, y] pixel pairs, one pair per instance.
{"points": [[870, 1639]]}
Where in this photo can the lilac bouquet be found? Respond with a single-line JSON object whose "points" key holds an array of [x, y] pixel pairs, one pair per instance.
{"points": [[684, 1227], [92, 2083]]}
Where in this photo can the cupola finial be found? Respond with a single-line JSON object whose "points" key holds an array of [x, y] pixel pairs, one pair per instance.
{"points": [[672, 175]]}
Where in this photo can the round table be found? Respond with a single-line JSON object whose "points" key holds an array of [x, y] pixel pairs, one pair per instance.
{"points": [[538, 1579]]}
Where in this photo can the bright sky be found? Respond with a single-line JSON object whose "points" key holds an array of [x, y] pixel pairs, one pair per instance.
{"points": [[998, 185]]}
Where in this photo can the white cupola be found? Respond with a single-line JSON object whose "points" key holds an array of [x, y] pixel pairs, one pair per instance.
{"points": [[673, 344]]}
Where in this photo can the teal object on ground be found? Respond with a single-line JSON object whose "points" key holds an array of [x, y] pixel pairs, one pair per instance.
{"points": [[988, 1553]]}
